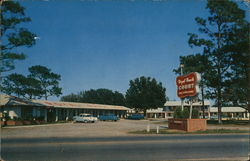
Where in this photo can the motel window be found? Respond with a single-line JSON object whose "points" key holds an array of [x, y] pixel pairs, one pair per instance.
{"points": [[26, 113]]}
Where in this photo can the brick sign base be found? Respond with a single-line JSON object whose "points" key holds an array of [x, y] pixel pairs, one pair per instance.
{"points": [[189, 125]]}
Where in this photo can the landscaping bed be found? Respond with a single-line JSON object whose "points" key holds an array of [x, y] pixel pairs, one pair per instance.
{"points": [[229, 122], [209, 131], [25, 123]]}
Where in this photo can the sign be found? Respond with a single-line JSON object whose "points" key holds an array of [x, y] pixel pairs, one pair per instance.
{"points": [[188, 85]]}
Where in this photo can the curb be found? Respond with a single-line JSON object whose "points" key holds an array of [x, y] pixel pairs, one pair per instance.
{"points": [[14, 127]]}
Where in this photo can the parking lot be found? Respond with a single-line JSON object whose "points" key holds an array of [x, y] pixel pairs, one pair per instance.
{"points": [[98, 129], [111, 141]]}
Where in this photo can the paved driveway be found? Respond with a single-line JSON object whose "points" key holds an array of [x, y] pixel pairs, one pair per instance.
{"points": [[98, 129]]}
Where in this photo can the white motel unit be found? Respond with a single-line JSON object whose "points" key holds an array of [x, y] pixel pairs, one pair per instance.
{"points": [[53, 110], [167, 111]]}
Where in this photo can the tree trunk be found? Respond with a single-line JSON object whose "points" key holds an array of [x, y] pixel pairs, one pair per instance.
{"points": [[219, 108], [45, 94], [219, 97], [145, 112], [219, 100], [202, 99], [248, 82], [219, 74]]}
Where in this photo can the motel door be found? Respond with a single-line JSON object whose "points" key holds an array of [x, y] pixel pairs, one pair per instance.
{"points": [[51, 115]]}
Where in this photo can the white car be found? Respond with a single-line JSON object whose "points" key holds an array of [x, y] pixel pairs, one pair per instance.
{"points": [[84, 117]]}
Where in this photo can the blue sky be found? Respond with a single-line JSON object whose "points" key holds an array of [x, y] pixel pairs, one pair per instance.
{"points": [[104, 44]]}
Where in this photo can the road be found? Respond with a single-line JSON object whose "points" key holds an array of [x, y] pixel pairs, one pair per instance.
{"points": [[170, 147]]}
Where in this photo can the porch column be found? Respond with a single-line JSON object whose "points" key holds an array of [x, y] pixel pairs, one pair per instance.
{"points": [[45, 115], [165, 115], [209, 115], [232, 115], [248, 115], [67, 114], [56, 114], [244, 115], [155, 115]]}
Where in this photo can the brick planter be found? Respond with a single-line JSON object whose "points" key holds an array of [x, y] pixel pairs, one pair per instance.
{"points": [[13, 123], [26, 122], [3, 123], [36, 122], [189, 125], [42, 122]]}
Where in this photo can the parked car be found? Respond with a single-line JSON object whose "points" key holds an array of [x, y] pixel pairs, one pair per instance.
{"points": [[136, 117], [214, 117], [84, 117], [108, 117]]}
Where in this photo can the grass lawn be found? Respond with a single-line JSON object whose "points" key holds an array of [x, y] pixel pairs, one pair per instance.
{"points": [[211, 122], [229, 122], [160, 122], [209, 131]]}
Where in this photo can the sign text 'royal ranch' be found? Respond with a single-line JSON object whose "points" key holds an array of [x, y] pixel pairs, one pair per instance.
{"points": [[188, 85]]}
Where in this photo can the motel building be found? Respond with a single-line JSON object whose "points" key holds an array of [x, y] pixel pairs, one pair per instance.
{"points": [[170, 106], [230, 113], [210, 112], [51, 111]]}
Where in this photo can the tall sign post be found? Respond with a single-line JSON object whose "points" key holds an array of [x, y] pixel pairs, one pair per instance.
{"points": [[182, 99], [188, 86]]}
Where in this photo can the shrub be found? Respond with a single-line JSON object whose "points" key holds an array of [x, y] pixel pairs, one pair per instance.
{"points": [[195, 114], [40, 118], [6, 116], [178, 113], [185, 113]]}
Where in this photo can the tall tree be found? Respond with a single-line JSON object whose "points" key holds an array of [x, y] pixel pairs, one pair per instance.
{"points": [[145, 93], [21, 86], [103, 96], [14, 84], [238, 89], [71, 98], [32, 88], [13, 35], [98, 96], [48, 80], [224, 17]]}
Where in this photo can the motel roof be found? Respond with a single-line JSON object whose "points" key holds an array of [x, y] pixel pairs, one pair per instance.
{"points": [[228, 109], [158, 110], [6, 100], [178, 103]]}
